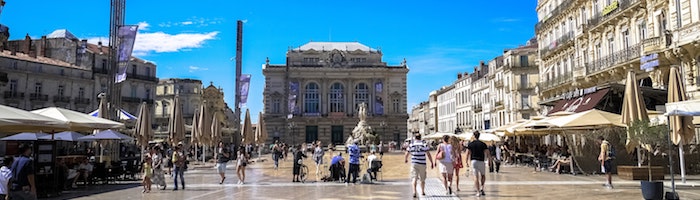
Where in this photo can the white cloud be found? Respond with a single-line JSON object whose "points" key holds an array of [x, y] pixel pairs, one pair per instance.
{"points": [[160, 42], [195, 69], [143, 26], [505, 20], [193, 21]]}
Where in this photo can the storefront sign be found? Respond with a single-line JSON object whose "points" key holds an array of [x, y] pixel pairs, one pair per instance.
{"points": [[612, 7]]}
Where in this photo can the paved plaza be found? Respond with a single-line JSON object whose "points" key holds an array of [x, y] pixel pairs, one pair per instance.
{"points": [[263, 182]]}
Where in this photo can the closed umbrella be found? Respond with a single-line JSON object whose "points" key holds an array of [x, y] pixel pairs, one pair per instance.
{"points": [[681, 126], [143, 131], [102, 110], [215, 131], [176, 124], [204, 127], [195, 135], [247, 133], [261, 131], [633, 109]]}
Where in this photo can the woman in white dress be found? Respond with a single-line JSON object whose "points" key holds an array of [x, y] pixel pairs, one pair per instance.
{"points": [[446, 156], [318, 157], [158, 177]]}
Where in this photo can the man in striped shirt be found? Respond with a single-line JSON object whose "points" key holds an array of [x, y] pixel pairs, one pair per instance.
{"points": [[418, 150]]}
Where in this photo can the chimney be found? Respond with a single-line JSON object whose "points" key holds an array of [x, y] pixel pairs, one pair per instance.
{"points": [[459, 75], [41, 47], [481, 63], [27, 44], [13, 50], [99, 47]]}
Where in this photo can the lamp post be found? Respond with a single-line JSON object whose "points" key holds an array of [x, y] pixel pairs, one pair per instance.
{"points": [[292, 126]]}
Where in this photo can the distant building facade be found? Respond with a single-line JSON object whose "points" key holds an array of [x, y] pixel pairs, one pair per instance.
{"points": [[316, 94]]}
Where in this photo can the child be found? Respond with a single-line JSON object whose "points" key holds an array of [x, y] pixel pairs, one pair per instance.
{"points": [[147, 173]]}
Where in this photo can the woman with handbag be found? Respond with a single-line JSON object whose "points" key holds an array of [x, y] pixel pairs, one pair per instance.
{"points": [[446, 156], [457, 150], [158, 175], [242, 163]]}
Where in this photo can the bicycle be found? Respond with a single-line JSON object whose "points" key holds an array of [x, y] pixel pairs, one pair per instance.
{"points": [[303, 173]]}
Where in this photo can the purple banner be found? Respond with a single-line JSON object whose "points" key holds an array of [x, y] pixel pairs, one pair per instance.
{"points": [[126, 36], [245, 85], [293, 93], [379, 98]]}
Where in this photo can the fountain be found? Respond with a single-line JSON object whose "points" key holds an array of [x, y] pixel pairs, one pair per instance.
{"points": [[363, 133]]}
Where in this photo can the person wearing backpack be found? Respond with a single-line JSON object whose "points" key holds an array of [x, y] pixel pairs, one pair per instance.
{"points": [[607, 155]]}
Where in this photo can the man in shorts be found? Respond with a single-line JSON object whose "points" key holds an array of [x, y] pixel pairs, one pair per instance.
{"points": [[418, 150], [605, 157], [477, 153]]}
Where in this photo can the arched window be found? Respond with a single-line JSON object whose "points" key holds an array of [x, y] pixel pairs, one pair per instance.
{"points": [[311, 98], [361, 95], [336, 98]]}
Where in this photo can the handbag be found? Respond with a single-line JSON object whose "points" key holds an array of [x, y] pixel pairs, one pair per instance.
{"points": [[440, 154]]}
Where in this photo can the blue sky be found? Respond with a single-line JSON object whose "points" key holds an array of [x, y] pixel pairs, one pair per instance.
{"points": [[196, 39]]}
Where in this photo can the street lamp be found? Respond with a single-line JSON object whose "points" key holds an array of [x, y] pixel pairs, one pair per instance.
{"points": [[292, 126]]}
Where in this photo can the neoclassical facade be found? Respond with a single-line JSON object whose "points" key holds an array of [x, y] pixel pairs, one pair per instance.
{"points": [[588, 46], [190, 94], [446, 109], [315, 95]]}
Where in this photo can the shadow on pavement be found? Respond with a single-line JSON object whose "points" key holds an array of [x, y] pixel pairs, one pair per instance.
{"points": [[94, 190]]}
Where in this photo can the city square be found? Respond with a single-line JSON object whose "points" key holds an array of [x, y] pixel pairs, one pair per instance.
{"points": [[537, 99]]}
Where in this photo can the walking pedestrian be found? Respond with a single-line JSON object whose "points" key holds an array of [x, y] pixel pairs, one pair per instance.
{"points": [[458, 162], [5, 176], [607, 154], [477, 152], [354, 158], [446, 156], [276, 153], [222, 157], [381, 149], [495, 163], [318, 157], [242, 163], [418, 151], [23, 186], [179, 165], [147, 173], [298, 161], [158, 177]]}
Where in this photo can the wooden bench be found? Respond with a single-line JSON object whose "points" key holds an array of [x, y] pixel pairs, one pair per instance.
{"points": [[640, 173]]}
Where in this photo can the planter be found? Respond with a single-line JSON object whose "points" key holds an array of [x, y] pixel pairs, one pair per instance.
{"points": [[640, 173], [653, 190]]}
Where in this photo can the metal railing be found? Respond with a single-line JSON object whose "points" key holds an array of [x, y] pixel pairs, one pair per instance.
{"points": [[79, 100], [556, 81], [558, 10], [38, 97], [622, 5], [64, 99], [13, 95], [100, 70], [526, 86], [498, 83], [141, 77], [561, 41], [618, 57]]}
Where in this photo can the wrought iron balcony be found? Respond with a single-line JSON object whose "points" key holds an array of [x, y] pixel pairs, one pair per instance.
{"points": [[498, 83], [477, 108], [556, 81], [554, 13], [526, 86], [100, 70], [13, 95], [63, 99], [561, 41], [610, 11], [141, 77], [79, 100], [628, 54], [38, 97]]}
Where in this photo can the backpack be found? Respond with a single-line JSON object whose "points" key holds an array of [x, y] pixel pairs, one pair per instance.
{"points": [[611, 151]]}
